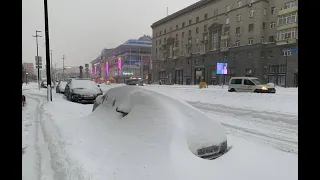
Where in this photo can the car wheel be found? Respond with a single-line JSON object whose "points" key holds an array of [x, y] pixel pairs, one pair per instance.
{"points": [[232, 90], [257, 91]]}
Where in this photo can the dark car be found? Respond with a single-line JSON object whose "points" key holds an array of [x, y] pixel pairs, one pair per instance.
{"points": [[82, 90], [135, 82]]}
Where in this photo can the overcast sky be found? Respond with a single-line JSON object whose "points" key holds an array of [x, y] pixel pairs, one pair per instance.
{"points": [[80, 29]]}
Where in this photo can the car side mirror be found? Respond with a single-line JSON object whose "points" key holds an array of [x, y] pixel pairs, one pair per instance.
{"points": [[99, 99], [124, 109], [98, 85]]}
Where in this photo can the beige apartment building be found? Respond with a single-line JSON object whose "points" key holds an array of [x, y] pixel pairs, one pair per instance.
{"points": [[254, 37]]}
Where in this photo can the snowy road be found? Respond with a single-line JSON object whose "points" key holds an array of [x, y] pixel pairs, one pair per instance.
{"points": [[61, 145], [261, 118]]}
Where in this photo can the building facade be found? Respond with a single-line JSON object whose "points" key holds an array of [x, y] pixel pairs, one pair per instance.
{"points": [[29, 68], [251, 37], [131, 59]]}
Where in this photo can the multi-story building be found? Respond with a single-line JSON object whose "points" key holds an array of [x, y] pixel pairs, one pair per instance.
{"points": [[29, 68], [130, 59], [253, 37]]}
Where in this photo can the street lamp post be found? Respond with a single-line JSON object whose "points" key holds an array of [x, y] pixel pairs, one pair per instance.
{"points": [[63, 58], [37, 59], [26, 77]]}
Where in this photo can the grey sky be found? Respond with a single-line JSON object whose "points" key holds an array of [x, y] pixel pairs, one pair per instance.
{"points": [[80, 29]]}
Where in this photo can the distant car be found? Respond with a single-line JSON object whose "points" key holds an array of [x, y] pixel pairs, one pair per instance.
{"points": [[249, 84], [61, 86], [135, 82], [82, 90], [131, 106], [44, 84]]}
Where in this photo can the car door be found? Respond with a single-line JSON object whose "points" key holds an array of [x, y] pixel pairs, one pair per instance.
{"points": [[238, 84], [248, 85]]}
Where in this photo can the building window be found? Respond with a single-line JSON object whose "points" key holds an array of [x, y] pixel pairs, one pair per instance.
{"points": [[215, 41], [290, 4], [227, 20], [286, 52], [250, 41], [190, 21], [249, 54], [165, 31], [160, 33], [262, 39], [224, 43], [156, 51], [227, 31], [286, 34], [271, 39], [238, 31], [182, 34], [288, 18], [189, 33], [262, 54], [177, 26], [183, 25], [239, 3], [264, 11], [263, 25], [156, 42], [205, 27], [271, 53], [237, 43], [250, 27], [165, 40], [176, 36], [282, 68], [206, 16], [197, 19], [272, 25], [197, 30], [273, 10], [215, 12], [238, 17], [159, 41], [252, 13], [228, 8]]}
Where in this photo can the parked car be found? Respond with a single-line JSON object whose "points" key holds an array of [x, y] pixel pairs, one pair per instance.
{"points": [[82, 90], [61, 86], [131, 106], [249, 84], [135, 82], [44, 84]]}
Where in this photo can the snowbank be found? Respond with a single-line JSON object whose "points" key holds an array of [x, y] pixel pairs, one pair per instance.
{"points": [[153, 143]]}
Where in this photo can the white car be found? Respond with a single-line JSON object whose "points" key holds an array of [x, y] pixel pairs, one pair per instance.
{"points": [[82, 90], [249, 84], [131, 106], [61, 86]]}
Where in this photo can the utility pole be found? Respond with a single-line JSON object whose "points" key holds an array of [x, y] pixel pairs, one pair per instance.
{"points": [[52, 66], [49, 89], [37, 61], [63, 58]]}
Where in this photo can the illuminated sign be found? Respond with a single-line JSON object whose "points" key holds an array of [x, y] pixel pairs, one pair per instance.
{"points": [[127, 73]]}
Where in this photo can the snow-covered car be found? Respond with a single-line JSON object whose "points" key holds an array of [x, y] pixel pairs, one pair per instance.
{"points": [[44, 84], [130, 106], [82, 90], [61, 86]]}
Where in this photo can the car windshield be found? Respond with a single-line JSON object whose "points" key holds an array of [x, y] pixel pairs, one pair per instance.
{"points": [[63, 84], [258, 81], [83, 84]]}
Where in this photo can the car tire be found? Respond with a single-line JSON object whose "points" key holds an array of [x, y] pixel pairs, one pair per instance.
{"points": [[257, 91], [232, 90]]}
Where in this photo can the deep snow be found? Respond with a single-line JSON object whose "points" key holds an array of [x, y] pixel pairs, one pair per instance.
{"points": [[82, 149]]}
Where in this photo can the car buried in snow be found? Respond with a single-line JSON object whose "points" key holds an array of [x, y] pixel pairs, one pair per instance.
{"points": [[82, 90], [205, 137]]}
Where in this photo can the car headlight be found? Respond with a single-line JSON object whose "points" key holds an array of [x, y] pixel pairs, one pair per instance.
{"points": [[264, 88]]}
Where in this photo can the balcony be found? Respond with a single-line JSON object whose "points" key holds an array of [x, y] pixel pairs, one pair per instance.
{"points": [[225, 37], [287, 26], [285, 41], [289, 10], [224, 49]]}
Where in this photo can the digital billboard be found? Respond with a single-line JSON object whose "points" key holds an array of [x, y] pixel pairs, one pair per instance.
{"points": [[222, 68]]}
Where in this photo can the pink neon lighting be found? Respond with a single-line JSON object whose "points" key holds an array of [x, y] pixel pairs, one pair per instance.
{"points": [[119, 65], [95, 69], [107, 68]]}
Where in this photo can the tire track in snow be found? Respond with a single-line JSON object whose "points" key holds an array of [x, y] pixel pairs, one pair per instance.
{"points": [[282, 129], [63, 167]]}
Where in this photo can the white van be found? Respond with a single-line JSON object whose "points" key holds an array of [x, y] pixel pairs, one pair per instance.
{"points": [[249, 84]]}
